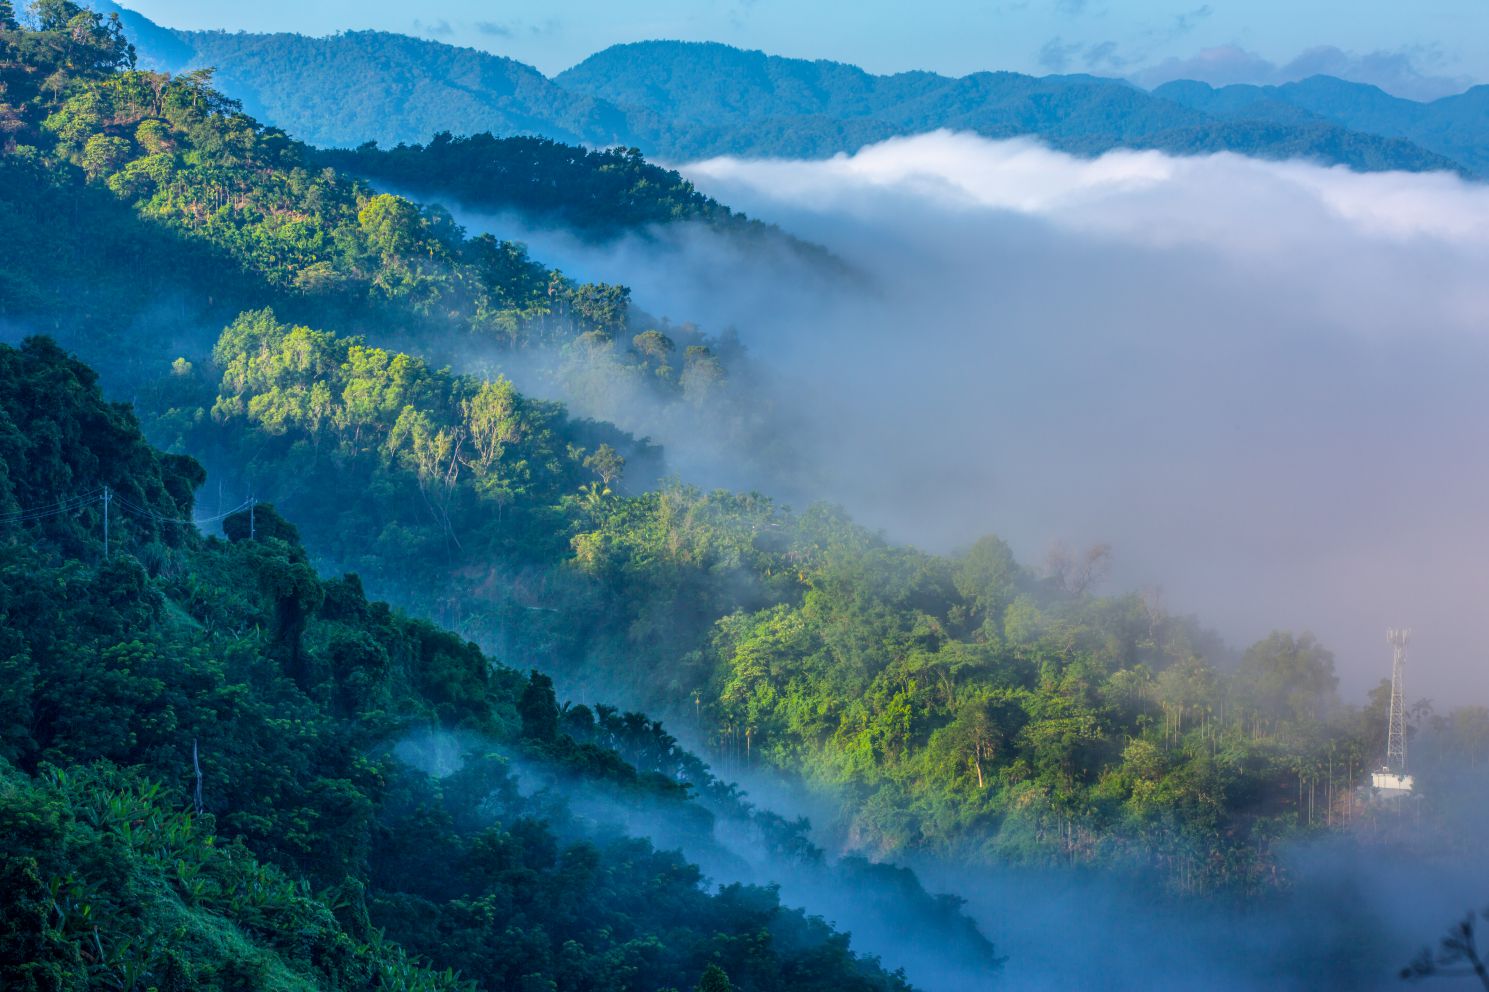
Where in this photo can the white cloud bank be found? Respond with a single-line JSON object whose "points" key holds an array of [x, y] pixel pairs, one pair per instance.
{"points": [[1264, 383]]}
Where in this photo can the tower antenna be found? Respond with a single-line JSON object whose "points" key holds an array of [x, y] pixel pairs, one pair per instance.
{"points": [[1396, 732], [1392, 782]]}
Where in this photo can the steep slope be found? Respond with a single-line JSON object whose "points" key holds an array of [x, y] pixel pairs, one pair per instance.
{"points": [[211, 211], [221, 771]]}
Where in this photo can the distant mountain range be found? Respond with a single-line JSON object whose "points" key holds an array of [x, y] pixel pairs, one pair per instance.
{"points": [[686, 100]]}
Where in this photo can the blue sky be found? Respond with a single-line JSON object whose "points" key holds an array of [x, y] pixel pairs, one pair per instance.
{"points": [[1418, 49]]}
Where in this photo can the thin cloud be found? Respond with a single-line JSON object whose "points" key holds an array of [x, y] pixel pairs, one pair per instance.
{"points": [[438, 29], [1403, 72], [1056, 54], [519, 29], [1189, 20]]}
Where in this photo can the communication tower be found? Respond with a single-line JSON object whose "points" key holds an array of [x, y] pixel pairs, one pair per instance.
{"points": [[1392, 778]]}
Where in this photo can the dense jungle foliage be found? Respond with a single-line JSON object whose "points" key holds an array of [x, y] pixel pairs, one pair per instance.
{"points": [[968, 706], [207, 203], [597, 192], [219, 770]]}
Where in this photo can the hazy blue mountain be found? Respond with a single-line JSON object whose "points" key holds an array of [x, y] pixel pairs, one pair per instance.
{"points": [[357, 86], [709, 99], [159, 48], [1456, 127], [683, 100], [369, 85]]}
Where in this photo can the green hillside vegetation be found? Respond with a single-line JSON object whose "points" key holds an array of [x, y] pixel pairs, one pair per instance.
{"points": [[199, 775], [961, 707], [965, 706], [197, 259], [220, 214], [596, 193]]}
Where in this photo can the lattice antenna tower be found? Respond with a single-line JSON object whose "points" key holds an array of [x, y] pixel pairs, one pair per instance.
{"points": [[1396, 732]]}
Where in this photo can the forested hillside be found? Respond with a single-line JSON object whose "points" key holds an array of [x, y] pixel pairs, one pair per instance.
{"points": [[681, 100], [717, 100], [291, 328], [220, 770], [207, 232], [600, 194], [1453, 126]]}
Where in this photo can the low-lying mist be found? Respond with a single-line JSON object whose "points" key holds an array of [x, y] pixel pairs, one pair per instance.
{"points": [[1259, 381], [886, 911], [1354, 907]]}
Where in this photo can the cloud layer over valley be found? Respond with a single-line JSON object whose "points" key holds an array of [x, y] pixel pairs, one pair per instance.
{"points": [[1261, 382]]}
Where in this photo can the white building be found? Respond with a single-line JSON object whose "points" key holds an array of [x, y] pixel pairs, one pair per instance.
{"points": [[1389, 784]]}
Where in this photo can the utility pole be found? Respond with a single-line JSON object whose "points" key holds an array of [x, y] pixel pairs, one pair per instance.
{"points": [[108, 496], [252, 530], [197, 766]]}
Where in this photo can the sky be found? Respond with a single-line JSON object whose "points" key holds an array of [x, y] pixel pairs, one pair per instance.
{"points": [[1422, 50]]}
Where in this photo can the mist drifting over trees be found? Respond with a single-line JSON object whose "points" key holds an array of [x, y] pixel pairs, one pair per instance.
{"points": [[970, 578]]}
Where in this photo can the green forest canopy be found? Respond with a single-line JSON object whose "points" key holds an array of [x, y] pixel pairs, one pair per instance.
{"points": [[966, 706]]}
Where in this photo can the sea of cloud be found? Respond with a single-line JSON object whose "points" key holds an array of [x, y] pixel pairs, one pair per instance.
{"points": [[1261, 382]]}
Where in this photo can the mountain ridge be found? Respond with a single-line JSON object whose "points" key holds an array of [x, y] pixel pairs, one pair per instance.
{"points": [[688, 100]]}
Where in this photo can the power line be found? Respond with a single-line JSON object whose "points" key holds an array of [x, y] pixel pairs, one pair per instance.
{"points": [[109, 498], [150, 514], [51, 509]]}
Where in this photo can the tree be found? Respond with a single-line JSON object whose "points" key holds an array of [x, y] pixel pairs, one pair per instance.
{"points": [[714, 980], [1077, 573], [657, 348], [103, 154], [491, 418], [392, 224], [701, 374], [263, 522], [538, 708], [102, 47], [7, 16], [154, 136], [979, 736], [54, 15], [1290, 676], [1458, 955], [601, 307], [607, 463], [988, 577]]}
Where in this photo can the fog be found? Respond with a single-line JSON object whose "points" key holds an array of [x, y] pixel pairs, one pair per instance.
{"points": [[887, 912], [1259, 381], [1353, 917], [1353, 909]]}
